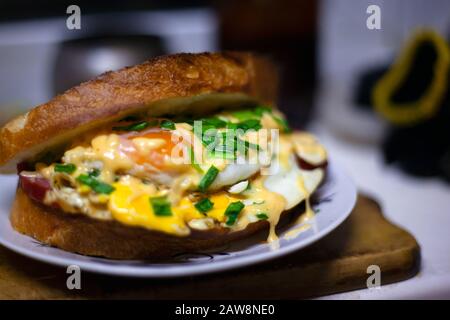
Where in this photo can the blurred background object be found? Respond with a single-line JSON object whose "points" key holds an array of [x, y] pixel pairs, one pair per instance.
{"points": [[348, 50], [287, 31], [38, 52], [355, 60], [352, 57], [82, 59], [35, 42], [411, 94]]}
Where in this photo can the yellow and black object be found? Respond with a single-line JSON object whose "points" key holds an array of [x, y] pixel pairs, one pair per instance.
{"points": [[413, 96], [414, 87]]}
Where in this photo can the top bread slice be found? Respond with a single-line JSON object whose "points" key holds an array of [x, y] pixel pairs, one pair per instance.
{"points": [[174, 84]]}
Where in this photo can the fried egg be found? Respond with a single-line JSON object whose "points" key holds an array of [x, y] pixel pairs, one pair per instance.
{"points": [[151, 177]]}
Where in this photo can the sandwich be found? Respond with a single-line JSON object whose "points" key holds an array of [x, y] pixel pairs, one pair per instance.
{"points": [[182, 153]]}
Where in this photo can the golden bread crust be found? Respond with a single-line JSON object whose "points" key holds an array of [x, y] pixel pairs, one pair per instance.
{"points": [[169, 84]]}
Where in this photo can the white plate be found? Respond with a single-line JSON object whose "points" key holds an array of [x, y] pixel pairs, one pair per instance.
{"points": [[336, 199]]}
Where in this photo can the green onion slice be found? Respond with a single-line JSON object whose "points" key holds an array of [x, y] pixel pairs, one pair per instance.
{"points": [[245, 114], [233, 211], [94, 184], [167, 124], [262, 216], [208, 178], [161, 206], [214, 122], [261, 110], [65, 167], [94, 172], [254, 124], [255, 113], [204, 205], [194, 163]]}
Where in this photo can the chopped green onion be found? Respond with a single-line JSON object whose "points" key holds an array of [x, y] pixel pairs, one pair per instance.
{"points": [[167, 124], [194, 163], [222, 154], [94, 184], [138, 126], [255, 113], [209, 136], [254, 124], [245, 114], [233, 211], [214, 122], [94, 172], [208, 178], [232, 126], [262, 216], [250, 124], [218, 145], [224, 148], [161, 207], [250, 119], [261, 110], [248, 145], [204, 205], [65, 167]]}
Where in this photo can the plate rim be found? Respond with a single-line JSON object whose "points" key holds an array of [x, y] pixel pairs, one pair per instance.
{"points": [[147, 271]]}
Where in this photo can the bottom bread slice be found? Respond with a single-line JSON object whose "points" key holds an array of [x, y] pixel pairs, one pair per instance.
{"points": [[110, 239]]}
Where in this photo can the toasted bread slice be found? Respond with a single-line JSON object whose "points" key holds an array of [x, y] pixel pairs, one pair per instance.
{"points": [[194, 83], [110, 239]]}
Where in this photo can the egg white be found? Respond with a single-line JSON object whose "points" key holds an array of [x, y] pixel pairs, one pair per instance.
{"points": [[285, 181]]}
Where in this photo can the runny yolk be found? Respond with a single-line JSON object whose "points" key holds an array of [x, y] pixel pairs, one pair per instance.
{"points": [[157, 156]]}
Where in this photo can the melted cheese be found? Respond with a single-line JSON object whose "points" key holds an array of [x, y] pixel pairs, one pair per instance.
{"points": [[108, 150], [130, 204], [221, 201], [125, 162], [268, 202]]}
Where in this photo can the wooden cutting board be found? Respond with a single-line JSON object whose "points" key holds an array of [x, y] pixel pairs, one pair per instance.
{"points": [[337, 263]]}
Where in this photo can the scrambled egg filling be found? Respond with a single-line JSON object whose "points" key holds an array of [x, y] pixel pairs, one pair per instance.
{"points": [[163, 175]]}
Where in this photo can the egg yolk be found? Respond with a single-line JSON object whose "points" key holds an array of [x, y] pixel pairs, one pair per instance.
{"points": [[157, 155], [130, 204]]}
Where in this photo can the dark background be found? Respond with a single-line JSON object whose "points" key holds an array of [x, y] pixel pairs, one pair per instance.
{"points": [[284, 30]]}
